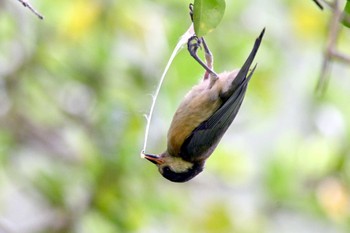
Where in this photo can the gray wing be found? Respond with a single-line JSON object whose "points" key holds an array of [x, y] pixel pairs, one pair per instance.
{"points": [[204, 139]]}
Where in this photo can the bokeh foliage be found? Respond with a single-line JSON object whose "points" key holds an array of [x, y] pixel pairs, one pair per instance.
{"points": [[73, 91]]}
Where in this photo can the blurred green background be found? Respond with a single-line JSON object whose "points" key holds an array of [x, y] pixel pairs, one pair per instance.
{"points": [[74, 89]]}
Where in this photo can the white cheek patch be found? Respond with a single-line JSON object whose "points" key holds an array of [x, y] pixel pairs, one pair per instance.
{"points": [[178, 165]]}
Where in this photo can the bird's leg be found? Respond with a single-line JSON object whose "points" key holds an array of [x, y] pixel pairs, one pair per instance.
{"points": [[208, 57], [192, 45]]}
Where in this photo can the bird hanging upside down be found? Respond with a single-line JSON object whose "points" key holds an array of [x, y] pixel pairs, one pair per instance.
{"points": [[203, 116]]}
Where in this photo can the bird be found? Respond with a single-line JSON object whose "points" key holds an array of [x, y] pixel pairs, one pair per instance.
{"points": [[203, 116]]}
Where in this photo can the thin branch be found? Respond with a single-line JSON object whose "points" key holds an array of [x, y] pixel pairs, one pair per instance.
{"points": [[331, 53], [318, 4], [330, 4], [26, 4], [323, 80], [340, 57]]}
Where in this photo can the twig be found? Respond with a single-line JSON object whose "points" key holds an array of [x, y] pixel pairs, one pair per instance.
{"points": [[26, 4], [341, 57], [332, 37], [184, 38], [318, 4], [330, 4], [331, 52]]}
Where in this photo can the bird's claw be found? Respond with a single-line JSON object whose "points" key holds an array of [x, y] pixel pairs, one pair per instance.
{"points": [[193, 44]]}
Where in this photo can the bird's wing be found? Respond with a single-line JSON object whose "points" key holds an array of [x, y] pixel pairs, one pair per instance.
{"points": [[205, 137]]}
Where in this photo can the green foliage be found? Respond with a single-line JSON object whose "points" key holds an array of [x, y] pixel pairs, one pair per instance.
{"points": [[346, 12], [207, 15]]}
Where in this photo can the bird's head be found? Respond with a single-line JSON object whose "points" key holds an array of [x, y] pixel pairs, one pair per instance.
{"points": [[174, 168]]}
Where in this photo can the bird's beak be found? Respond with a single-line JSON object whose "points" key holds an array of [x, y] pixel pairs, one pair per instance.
{"points": [[154, 159]]}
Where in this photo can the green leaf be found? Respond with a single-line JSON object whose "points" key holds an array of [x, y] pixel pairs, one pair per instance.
{"points": [[207, 14], [346, 17]]}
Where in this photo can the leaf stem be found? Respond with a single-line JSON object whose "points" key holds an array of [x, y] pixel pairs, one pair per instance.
{"points": [[183, 40]]}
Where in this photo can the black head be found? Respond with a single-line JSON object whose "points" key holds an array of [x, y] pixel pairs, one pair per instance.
{"points": [[180, 176], [175, 169]]}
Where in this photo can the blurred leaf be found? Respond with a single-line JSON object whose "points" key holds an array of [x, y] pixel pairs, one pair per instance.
{"points": [[346, 18], [279, 180], [207, 15], [94, 222], [216, 219], [52, 187], [7, 142], [307, 22], [79, 19]]}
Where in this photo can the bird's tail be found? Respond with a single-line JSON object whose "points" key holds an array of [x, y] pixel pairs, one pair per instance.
{"points": [[243, 73]]}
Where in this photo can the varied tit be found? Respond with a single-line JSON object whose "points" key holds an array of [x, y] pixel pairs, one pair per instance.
{"points": [[203, 116]]}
